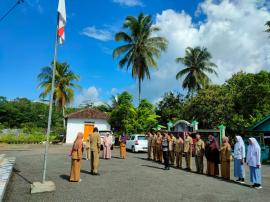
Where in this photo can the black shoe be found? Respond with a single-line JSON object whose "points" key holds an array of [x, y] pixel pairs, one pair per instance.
{"points": [[238, 180]]}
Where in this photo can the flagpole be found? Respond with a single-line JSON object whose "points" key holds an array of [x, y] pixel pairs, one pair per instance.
{"points": [[50, 109]]}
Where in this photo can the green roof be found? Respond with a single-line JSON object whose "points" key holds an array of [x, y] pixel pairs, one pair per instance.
{"points": [[260, 123]]}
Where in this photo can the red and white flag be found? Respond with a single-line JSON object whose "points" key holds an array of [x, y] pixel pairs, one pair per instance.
{"points": [[61, 21]]}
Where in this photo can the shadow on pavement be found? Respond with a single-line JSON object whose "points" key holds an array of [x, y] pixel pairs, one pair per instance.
{"points": [[65, 177], [85, 171], [116, 157], [17, 172], [152, 167]]}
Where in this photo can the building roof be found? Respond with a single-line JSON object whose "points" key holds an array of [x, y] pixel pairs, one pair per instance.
{"points": [[88, 114], [261, 123]]}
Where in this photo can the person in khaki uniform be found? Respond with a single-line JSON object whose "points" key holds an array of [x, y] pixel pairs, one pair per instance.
{"points": [[95, 143], [76, 157], [199, 153], [149, 140], [188, 142], [179, 147], [171, 139], [154, 150], [225, 158], [87, 147], [159, 147]]}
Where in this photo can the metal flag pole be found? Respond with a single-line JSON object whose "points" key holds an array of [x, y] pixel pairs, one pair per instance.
{"points": [[47, 186], [50, 112]]}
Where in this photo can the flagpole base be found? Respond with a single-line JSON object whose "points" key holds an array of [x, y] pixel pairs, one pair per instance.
{"points": [[39, 187]]}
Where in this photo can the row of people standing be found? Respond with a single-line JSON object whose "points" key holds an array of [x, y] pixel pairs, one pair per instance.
{"points": [[164, 147]]}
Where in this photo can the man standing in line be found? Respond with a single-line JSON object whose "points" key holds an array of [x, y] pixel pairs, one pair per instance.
{"points": [[154, 139], [165, 149], [171, 139], [95, 149], [199, 153], [188, 142], [179, 147], [149, 142], [159, 147]]}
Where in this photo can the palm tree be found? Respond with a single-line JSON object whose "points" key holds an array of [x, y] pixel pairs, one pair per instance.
{"points": [[268, 26], [197, 64], [64, 85], [141, 48]]}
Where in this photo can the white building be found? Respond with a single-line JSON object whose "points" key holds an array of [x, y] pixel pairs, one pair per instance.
{"points": [[84, 121]]}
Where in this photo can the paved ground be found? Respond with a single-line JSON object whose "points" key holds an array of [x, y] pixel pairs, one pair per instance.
{"points": [[133, 179]]}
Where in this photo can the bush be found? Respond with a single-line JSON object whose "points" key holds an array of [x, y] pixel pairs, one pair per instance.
{"points": [[33, 138]]}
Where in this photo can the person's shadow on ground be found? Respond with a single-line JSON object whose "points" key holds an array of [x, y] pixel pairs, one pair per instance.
{"points": [[65, 177]]}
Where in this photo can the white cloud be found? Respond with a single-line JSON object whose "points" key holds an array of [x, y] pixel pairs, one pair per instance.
{"points": [[129, 3], [89, 95], [233, 32], [99, 34]]}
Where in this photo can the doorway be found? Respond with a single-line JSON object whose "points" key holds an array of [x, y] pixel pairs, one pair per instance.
{"points": [[88, 129]]}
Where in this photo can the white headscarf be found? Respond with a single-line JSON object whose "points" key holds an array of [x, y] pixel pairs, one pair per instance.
{"points": [[239, 148], [254, 153]]}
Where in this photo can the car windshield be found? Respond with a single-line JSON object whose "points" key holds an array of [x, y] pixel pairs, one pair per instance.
{"points": [[141, 137]]}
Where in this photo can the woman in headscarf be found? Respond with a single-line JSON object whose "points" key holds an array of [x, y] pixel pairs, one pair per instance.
{"points": [[239, 156], [212, 156], [123, 141], [254, 162], [76, 157], [107, 143], [225, 158]]}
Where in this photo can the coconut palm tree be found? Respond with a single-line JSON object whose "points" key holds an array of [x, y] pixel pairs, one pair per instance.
{"points": [[197, 65], [140, 49], [64, 85]]}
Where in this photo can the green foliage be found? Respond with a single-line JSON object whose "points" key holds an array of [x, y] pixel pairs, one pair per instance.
{"points": [[212, 106], [65, 83], [125, 118], [36, 136], [197, 64], [170, 108], [146, 116], [22, 113], [141, 49], [123, 115], [239, 103]]}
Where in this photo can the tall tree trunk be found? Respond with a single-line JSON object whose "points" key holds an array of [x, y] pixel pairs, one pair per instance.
{"points": [[64, 120], [140, 83]]}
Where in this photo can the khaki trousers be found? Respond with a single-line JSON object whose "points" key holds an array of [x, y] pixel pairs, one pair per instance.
{"points": [[94, 161], [188, 160], [88, 154], [199, 163], [172, 157], [154, 153], [149, 152], [179, 156]]}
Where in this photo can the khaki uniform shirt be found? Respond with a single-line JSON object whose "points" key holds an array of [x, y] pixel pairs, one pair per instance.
{"points": [[154, 139], [179, 145], [225, 152], [95, 141], [171, 143], [199, 148], [150, 139], [188, 144]]}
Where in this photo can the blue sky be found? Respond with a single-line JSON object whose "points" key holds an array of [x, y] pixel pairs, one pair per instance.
{"points": [[27, 42]]}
